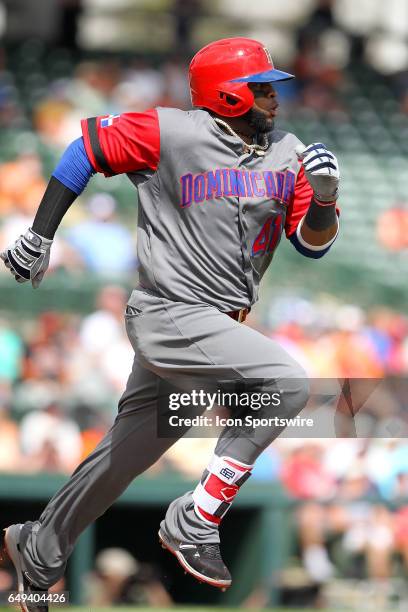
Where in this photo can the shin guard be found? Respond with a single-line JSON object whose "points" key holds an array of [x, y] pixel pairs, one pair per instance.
{"points": [[219, 484]]}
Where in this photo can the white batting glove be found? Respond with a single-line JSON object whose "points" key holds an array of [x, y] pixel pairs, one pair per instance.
{"points": [[28, 258], [321, 170]]}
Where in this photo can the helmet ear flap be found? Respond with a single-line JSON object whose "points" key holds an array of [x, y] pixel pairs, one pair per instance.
{"points": [[235, 98], [228, 98]]}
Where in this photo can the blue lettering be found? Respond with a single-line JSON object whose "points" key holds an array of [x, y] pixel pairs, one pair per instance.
{"points": [[289, 186], [213, 183], [255, 176], [280, 180], [227, 190], [237, 183], [270, 184], [199, 188], [186, 190], [247, 183]]}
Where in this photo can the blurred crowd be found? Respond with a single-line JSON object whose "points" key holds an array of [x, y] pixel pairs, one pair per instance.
{"points": [[353, 519], [325, 43], [61, 376], [45, 91], [48, 90], [117, 578], [62, 373]]}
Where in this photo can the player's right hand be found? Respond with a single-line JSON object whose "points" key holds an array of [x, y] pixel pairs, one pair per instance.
{"points": [[28, 258], [322, 171]]}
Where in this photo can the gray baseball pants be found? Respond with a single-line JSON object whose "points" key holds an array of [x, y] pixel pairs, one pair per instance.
{"points": [[178, 342]]}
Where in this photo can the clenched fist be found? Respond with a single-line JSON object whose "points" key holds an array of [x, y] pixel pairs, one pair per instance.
{"points": [[321, 170], [28, 258]]}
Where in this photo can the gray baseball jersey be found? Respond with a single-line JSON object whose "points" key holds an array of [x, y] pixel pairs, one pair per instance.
{"points": [[211, 213]]}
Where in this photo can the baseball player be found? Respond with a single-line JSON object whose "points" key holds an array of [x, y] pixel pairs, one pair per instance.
{"points": [[217, 187]]}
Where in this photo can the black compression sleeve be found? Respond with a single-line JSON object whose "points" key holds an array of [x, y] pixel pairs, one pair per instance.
{"points": [[55, 203]]}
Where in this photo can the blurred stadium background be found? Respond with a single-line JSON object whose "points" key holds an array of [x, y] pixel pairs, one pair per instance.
{"points": [[324, 523]]}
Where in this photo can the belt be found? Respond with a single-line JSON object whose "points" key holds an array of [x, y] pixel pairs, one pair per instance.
{"points": [[239, 315]]}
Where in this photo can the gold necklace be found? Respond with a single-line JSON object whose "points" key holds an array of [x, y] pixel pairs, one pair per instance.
{"points": [[250, 148]]}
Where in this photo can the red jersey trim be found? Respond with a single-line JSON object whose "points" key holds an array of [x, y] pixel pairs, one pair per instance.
{"points": [[302, 198], [125, 143], [299, 206]]}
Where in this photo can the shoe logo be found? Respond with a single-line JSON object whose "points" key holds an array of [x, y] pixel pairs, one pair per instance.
{"points": [[28, 577], [227, 473], [228, 493]]}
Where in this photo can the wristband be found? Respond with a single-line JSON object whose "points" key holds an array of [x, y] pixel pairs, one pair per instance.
{"points": [[326, 200], [320, 217]]}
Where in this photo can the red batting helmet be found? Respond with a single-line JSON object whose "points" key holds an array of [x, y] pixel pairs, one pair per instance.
{"points": [[219, 74]]}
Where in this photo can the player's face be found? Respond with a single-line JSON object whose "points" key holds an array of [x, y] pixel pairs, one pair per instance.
{"points": [[265, 106]]}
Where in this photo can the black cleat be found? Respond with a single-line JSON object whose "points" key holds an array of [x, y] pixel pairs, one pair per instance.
{"points": [[203, 561], [25, 586]]}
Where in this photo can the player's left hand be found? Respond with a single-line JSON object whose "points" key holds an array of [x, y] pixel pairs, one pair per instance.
{"points": [[321, 170], [28, 258]]}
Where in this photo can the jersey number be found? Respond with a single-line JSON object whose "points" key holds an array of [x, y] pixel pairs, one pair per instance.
{"points": [[268, 237]]}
